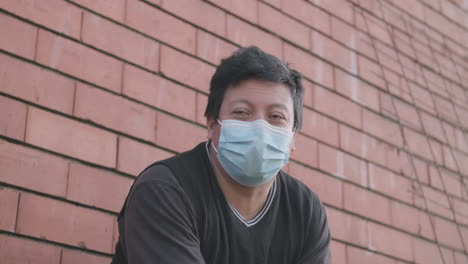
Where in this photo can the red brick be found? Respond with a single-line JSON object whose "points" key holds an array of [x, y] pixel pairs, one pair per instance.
{"points": [[70, 137], [115, 235], [8, 209], [363, 44], [368, 147], [426, 252], [305, 151], [388, 106], [77, 60], [18, 37], [460, 208], [113, 9], [117, 113], [396, 243], [337, 107], [275, 3], [65, 223], [418, 143], [311, 67], [356, 90], [352, 140], [435, 201], [77, 257], [15, 250], [284, 26], [202, 101], [439, 22], [36, 85], [339, 8], [382, 128], [456, 93], [32, 169], [12, 118], [389, 58], [447, 233], [462, 161], [456, 137], [308, 98], [55, 14], [422, 98], [448, 255], [366, 203], [371, 71], [246, 9], [446, 181], [461, 114], [414, 168], [329, 189], [155, 2], [405, 217], [342, 165], [320, 127], [200, 13], [460, 258], [374, 27], [178, 135], [334, 52], [360, 256], [403, 42], [160, 25], [308, 14], [245, 34], [108, 36], [344, 33], [338, 252], [386, 182], [213, 49], [186, 69], [425, 226], [455, 11], [96, 187], [446, 110], [449, 159], [135, 156], [348, 228], [436, 151], [159, 92]]}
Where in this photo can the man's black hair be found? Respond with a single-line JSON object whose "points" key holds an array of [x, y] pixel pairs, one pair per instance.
{"points": [[253, 63]]}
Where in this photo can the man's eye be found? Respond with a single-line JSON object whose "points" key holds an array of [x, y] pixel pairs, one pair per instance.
{"points": [[240, 112], [276, 117]]}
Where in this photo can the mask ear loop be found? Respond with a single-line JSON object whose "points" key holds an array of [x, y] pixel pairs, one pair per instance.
{"points": [[221, 124]]}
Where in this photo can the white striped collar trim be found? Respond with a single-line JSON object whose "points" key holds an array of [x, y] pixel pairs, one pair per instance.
{"points": [[262, 213]]}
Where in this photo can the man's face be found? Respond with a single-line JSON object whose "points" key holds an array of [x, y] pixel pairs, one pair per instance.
{"points": [[252, 100]]}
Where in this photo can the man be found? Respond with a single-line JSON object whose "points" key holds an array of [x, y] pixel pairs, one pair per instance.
{"points": [[227, 201]]}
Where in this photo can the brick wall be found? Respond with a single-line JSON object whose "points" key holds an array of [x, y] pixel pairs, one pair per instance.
{"points": [[93, 91]]}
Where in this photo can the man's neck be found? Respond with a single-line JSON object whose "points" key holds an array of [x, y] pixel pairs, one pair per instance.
{"points": [[248, 201]]}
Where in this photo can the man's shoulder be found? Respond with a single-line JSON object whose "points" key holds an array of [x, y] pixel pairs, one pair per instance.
{"points": [[297, 190], [164, 171]]}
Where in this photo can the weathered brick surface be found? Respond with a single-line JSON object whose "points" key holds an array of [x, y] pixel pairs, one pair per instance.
{"points": [[92, 92]]}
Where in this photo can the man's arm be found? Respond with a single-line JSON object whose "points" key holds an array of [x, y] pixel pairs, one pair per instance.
{"points": [[159, 227], [317, 246]]}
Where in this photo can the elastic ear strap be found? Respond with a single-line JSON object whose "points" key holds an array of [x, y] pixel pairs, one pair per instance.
{"points": [[214, 147]]}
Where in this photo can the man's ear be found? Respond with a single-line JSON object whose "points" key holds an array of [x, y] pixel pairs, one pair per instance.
{"points": [[210, 123], [293, 142]]}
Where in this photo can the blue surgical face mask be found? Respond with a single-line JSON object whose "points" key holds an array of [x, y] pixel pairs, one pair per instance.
{"points": [[253, 152]]}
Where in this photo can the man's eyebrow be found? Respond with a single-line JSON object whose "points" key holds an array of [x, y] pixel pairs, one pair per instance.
{"points": [[240, 101], [282, 106]]}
